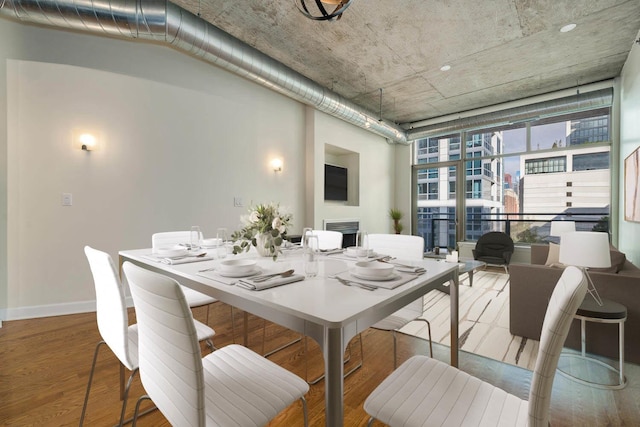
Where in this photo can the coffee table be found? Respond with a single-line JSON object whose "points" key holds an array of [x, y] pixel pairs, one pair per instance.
{"points": [[465, 266]]}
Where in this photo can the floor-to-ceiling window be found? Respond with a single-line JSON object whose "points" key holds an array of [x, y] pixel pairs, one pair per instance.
{"points": [[517, 178]]}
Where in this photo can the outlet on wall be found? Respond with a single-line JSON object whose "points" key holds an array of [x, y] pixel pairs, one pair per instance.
{"points": [[237, 202], [67, 199]]}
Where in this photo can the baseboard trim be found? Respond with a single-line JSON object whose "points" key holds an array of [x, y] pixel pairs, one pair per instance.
{"points": [[50, 310]]}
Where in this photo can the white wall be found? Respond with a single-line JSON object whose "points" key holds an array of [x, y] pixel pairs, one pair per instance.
{"points": [[376, 180], [182, 138], [629, 232]]}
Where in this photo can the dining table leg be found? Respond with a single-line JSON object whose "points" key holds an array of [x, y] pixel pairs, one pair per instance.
{"points": [[334, 380], [453, 301]]}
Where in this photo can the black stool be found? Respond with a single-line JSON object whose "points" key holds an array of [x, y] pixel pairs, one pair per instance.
{"points": [[609, 312]]}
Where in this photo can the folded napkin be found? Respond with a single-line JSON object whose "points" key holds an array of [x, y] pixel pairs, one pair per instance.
{"points": [[213, 275], [331, 251], [386, 284], [178, 260], [247, 283], [410, 269]]}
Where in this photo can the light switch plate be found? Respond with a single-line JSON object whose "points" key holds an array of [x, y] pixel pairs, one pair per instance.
{"points": [[67, 199], [237, 202]]}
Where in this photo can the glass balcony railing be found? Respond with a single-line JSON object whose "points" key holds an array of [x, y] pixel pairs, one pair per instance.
{"points": [[438, 230]]}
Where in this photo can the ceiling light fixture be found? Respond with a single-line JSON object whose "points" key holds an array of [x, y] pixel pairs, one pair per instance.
{"points": [[445, 67], [567, 28], [316, 10]]}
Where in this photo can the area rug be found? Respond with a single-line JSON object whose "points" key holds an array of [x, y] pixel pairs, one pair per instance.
{"points": [[483, 317]]}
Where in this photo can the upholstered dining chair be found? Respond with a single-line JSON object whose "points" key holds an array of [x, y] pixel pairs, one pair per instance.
{"points": [[113, 324], [494, 248], [425, 391], [194, 298], [328, 239], [231, 386], [407, 247]]}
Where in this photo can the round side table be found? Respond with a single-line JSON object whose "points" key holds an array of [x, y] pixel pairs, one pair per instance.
{"points": [[609, 312]]}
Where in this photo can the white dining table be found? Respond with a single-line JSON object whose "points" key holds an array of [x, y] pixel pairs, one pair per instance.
{"points": [[319, 307]]}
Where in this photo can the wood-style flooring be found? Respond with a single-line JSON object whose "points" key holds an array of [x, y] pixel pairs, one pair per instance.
{"points": [[44, 367]]}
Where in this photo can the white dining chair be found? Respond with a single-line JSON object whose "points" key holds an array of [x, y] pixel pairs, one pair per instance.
{"points": [[194, 298], [113, 324], [424, 391], [403, 247], [231, 386], [328, 239]]}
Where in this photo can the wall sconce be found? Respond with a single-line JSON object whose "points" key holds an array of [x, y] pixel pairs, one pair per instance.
{"points": [[86, 141], [276, 164]]}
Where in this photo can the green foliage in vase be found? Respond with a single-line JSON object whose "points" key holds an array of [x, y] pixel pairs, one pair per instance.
{"points": [[396, 215], [266, 225]]}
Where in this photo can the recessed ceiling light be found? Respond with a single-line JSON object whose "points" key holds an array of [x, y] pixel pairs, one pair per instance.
{"points": [[445, 68], [567, 28]]}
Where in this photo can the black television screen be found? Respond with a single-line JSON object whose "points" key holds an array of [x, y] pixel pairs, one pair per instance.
{"points": [[335, 183]]}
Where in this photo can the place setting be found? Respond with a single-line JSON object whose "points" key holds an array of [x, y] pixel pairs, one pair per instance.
{"points": [[373, 274], [178, 254], [246, 273]]}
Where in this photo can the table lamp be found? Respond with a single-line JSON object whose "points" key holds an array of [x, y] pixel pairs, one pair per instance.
{"points": [[558, 228], [586, 249]]}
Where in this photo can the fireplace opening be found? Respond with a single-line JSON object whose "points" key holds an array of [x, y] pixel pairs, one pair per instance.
{"points": [[348, 228]]}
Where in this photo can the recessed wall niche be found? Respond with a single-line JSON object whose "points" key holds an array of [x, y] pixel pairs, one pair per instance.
{"points": [[344, 159]]}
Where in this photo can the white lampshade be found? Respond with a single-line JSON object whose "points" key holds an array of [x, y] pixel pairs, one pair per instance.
{"points": [[585, 249], [558, 228]]}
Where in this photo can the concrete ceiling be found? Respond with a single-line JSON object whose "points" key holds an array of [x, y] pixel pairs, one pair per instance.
{"points": [[498, 50]]}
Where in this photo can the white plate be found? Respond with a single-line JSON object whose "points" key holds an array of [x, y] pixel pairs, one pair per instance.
{"points": [[256, 270], [171, 251], [237, 266], [374, 268], [351, 252], [394, 276]]}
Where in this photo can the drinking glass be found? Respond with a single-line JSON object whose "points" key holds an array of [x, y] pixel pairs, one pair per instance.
{"points": [[310, 257], [221, 241], [195, 237], [307, 231], [362, 245]]}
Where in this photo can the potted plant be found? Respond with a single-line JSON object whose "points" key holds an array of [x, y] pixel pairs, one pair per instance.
{"points": [[265, 229], [396, 215]]}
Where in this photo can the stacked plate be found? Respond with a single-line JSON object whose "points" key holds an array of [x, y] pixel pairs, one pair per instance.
{"points": [[171, 251], [353, 251], [376, 271], [238, 268]]}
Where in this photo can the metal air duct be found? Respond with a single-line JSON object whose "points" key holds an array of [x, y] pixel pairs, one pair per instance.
{"points": [[166, 22]]}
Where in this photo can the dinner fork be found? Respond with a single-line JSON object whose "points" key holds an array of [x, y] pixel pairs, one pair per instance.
{"points": [[356, 284]]}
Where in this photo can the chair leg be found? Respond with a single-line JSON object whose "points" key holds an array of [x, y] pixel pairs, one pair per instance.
{"points": [[135, 413], [304, 411], [346, 374], [124, 391], [282, 347], [370, 423], [395, 360], [93, 367]]}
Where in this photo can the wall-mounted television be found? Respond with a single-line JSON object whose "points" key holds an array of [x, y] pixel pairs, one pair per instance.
{"points": [[335, 183]]}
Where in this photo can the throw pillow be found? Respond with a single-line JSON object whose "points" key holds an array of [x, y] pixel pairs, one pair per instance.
{"points": [[554, 255]]}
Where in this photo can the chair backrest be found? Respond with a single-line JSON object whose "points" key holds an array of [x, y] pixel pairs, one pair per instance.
{"points": [[328, 239], [401, 246], [494, 244], [167, 238], [111, 308], [565, 300], [170, 359]]}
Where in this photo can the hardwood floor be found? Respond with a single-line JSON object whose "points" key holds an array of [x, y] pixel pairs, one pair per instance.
{"points": [[44, 367]]}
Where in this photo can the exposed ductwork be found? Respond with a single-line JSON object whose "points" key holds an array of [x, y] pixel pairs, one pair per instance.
{"points": [[162, 21]]}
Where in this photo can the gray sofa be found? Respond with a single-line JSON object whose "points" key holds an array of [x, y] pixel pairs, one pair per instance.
{"points": [[531, 286]]}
